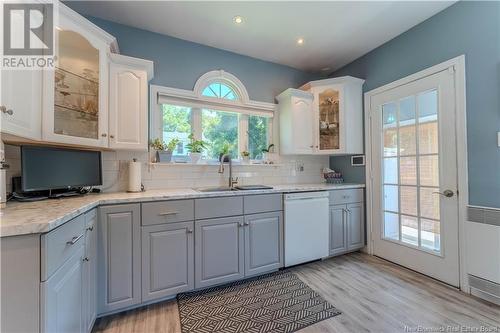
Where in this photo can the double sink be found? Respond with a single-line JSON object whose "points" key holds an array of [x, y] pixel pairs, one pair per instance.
{"points": [[236, 188]]}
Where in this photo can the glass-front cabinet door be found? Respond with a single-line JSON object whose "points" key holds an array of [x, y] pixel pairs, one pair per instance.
{"points": [[328, 123], [75, 92]]}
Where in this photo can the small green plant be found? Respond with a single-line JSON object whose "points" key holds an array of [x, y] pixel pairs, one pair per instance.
{"points": [[195, 146], [157, 144], [268, 149], [226, 148], [172, 144], [245, 153]]}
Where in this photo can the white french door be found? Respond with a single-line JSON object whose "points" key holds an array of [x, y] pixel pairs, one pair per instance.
{"points": [[414, 170]]}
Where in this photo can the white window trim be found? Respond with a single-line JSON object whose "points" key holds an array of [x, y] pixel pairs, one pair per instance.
{"points": [[196, 101]]}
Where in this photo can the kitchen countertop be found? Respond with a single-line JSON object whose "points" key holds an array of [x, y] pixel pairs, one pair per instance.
{"points": [[21, 218]]}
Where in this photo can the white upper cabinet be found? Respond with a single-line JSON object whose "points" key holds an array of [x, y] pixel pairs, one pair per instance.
{"points": [[21, 103], [128, 102], [75, 93], [334, 123], [296, 122]]}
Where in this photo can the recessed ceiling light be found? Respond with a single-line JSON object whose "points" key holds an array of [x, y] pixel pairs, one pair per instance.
{"points": [[238, 19], [300, 41]]}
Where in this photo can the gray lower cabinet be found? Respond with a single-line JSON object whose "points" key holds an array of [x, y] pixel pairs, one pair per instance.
{"points": [[167, 260], [263, 242], [90, 270], [338, 230], [119, 265], [347, 221], [219, 251], [355, 226], [62, 297]]}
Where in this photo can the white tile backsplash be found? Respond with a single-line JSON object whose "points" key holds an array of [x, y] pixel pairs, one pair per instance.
{"points": [[115, 171]]}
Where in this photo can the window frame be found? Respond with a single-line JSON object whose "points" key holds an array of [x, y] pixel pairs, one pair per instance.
{"points": [[194, 99]]}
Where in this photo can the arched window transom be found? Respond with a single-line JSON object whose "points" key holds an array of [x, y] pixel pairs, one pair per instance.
{"points": [[220, 90]]}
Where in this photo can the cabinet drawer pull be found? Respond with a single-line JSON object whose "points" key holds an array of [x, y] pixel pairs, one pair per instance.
{"points": [[168, 213], [74, 240]]}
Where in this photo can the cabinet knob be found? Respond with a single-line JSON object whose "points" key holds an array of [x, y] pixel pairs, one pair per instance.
{"points": [[104, 135], [241, 224], [112, 136], [317, 146], [6, 111], [246, 223], [311, 146], [189, 231], [86, 259], [90, 228]]}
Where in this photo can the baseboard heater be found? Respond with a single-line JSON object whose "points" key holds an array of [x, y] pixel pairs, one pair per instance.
{"points": [[487, 290]]}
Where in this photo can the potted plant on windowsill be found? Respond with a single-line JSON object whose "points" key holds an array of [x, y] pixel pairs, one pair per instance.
{"points": [[164, 150], [226, 148], [268, 156], [195, 148], [245, 156]]}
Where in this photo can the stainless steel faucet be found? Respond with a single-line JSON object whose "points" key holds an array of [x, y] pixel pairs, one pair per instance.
{"points": [[232, 181]]}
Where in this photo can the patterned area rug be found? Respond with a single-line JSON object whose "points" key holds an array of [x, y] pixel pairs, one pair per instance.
{"points": [[276, 302]]}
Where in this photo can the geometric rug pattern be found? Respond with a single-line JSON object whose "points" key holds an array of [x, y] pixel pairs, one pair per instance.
{"points": [[275, 302]]}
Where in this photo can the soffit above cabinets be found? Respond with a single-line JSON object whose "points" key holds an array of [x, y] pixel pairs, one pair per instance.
{"points": [[334, 33]]}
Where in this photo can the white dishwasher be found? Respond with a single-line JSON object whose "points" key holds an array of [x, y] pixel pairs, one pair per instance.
{"points": [[306, 227]]}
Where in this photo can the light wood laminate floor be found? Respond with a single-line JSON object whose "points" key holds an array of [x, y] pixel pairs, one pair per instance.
{"points": [[373, 295]]}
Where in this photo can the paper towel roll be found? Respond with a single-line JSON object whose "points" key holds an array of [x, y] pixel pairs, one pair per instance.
{"points": [[134, 176]]}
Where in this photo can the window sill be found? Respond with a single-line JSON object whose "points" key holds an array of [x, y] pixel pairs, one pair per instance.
{"points": [[214, 164]]}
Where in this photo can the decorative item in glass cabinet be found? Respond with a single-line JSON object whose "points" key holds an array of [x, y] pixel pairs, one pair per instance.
{"points": [[329, 110]]}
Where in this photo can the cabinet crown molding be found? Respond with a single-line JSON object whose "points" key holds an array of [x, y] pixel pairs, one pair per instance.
{"points": [[335, 80]]}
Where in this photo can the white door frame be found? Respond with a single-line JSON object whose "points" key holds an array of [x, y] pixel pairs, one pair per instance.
{"points": [[458, 64]]}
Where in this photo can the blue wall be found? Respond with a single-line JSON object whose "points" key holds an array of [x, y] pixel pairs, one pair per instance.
{"points": [[470, 28], [179, 63]]}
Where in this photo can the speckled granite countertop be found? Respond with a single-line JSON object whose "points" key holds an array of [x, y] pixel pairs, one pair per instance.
{"points": [[21, 218]]}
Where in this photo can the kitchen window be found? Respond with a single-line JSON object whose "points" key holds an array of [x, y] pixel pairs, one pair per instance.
{"points": [[219, 112]]}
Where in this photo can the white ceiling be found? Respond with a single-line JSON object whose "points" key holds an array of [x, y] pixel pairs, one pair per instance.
{"points": [[335, 32]]}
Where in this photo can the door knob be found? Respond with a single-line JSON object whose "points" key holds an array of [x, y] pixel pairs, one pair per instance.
{"points": [[446, 193], [5, 110]]}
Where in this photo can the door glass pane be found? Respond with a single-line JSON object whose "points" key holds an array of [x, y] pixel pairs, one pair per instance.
{"points": [[411, 170], [428, 138], [391, 226], [409, 200], [409, 230], [430, 234], [391, 170], [429, 202], [390, 142], [329, 113], [429, 170], [407, 128], [408, 170], [391, 198], [76, 90]]}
